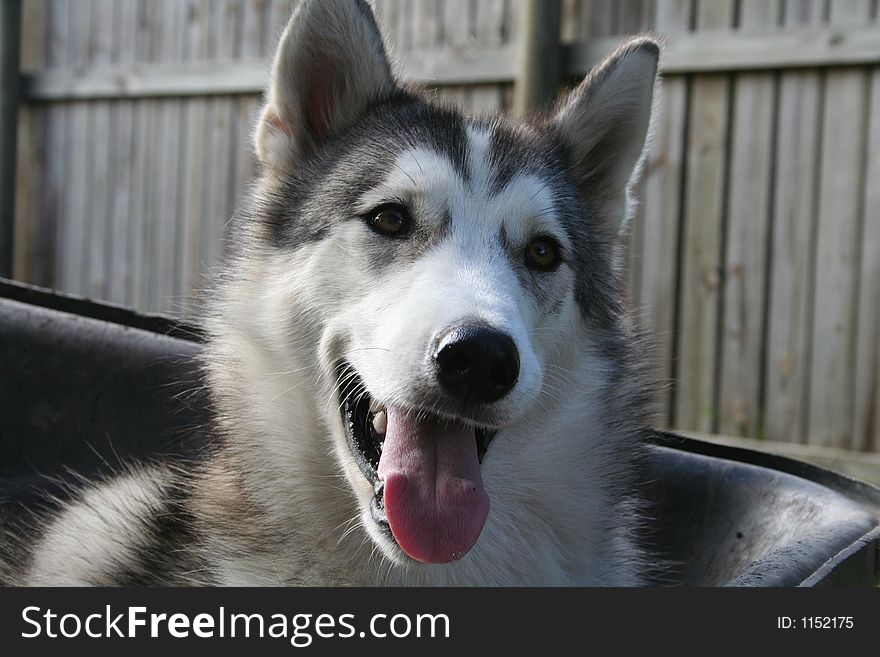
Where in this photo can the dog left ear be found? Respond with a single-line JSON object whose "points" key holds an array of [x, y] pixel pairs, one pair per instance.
{"points": [[604, 124], [329, 67]]}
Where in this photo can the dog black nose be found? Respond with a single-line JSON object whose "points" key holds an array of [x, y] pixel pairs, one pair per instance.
{"points": [[476, 364]]}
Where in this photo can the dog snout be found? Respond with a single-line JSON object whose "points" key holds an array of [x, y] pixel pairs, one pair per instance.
{"points": [[476, 364]]}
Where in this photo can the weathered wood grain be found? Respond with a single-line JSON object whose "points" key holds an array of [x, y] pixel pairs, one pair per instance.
{"points": [[661, 213], [32, 254], [702, 234], [746, 240], [832, 364], [866, 402], [789, 295]]}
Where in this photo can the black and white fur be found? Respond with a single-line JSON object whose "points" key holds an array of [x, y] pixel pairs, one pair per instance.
{"points": [[279, 497]]}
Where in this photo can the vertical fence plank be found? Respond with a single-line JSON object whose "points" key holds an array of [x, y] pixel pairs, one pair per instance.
{"points": [[404, 32], [246, 106], [600, 18], [830, 410], [572, 21], [251, 28], [56, 141], [10, 64], [193, 211], [75, 203], [454, 33], [791, 264], [488, 31], [424, 24], [866, 415], [748, 222], [142, 234], [661, 209], [165, 264], [101, 175], [633, 16], [386, 17], [122, 157], [538, 58], [702, 237], [32, 252], [220, 153], [277, 15]]}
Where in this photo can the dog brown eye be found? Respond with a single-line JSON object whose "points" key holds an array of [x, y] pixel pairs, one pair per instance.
{"points": [[543, 253], [391, 221]]}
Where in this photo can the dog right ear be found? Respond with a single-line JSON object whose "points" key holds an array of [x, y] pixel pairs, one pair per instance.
{"points": [[329, 67], [605, 122]]}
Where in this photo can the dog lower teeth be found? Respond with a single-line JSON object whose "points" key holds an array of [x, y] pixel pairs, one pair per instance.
{"points": [[380, 423]]}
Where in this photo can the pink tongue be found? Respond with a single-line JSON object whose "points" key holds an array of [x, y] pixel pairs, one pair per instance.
{"points": [[434, 497]]}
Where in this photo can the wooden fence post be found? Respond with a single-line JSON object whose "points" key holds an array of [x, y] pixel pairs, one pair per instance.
{"points": [[10, 39], [539, 67]]}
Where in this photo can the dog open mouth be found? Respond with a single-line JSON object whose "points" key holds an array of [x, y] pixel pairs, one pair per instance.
{"points": [[425, 472]]}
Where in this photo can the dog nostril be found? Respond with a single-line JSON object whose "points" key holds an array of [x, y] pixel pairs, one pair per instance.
{"points": [[504, 375], [457, 362], [477, 364]]}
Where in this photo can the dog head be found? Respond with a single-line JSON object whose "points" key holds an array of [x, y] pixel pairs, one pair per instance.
{"points": [[448, 285]]}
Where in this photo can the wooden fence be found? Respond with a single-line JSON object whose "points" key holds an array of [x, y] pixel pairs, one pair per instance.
{"points": [[755, 256]]}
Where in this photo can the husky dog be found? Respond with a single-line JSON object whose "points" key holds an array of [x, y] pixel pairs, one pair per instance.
{"points": [[420, 365]]}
